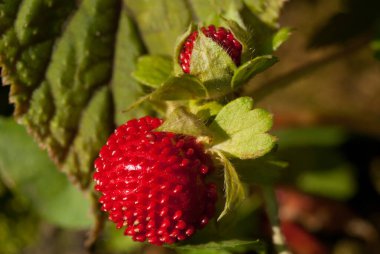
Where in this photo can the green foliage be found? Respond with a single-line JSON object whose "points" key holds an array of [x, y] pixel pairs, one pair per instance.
{"points": [[183, 122], [227, 137], [280, 37], [212, 65], [36, 178], [375, 43], [18, 222], [180, 88], [70, 65], [66, 95], [316, 164], [244, 139], [233, 187], [153, 70], [158, 29], [267, 11], [224, 246], [249, 69]]}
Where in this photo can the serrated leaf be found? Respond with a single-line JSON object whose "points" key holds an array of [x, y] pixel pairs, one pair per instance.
{"points": [[153, 70], [245, 139], [233, 188], [159, 29], [180, 88], [57, 89], [251, 68], [36, 177], [183, 122], [280, 37]]}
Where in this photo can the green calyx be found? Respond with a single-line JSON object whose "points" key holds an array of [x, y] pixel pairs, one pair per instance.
{"points": [[213, 74]]}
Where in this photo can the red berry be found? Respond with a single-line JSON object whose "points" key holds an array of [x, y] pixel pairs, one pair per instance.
{"points": [[220, 35], [153, 183]]}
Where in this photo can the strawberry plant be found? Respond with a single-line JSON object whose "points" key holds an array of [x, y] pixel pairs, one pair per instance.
{"points": [[153, 135]]}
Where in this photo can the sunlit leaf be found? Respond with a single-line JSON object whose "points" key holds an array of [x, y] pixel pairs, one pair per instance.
{"points": [[183, 122], [233, 188], [247, 138]]}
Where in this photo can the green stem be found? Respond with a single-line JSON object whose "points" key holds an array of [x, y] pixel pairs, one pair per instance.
{"points": [[289, 78], [272, 212]]}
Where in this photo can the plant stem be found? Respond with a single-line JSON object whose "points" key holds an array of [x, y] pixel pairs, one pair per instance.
{"points": [[290, 77], [93, 235], [272, 212]]}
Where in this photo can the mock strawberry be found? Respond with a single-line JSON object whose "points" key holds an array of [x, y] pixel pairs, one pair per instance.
{"points": [[153, 183], [220, 35]]}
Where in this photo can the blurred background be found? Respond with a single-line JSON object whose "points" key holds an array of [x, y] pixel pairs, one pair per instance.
{"points": [[325, 98]]}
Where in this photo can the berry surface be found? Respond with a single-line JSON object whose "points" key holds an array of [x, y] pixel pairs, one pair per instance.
{"points": [[153, 183], [220, 35]]}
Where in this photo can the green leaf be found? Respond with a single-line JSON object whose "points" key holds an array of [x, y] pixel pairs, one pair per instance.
{"points": [[212, 65], [272, 211], [267, 10], [260, 32], [338, 182], [203, 251], [85, 146], [210, 11], [225, 245], [204, 110], [251, 68], [316, 163], [117, 242], [69, 66], [280, 37], [247, 138], [180, 88], [234, 190], [263, 170], [36, 177], [183, 122], [125, 89], [312, 136], [159, 29], [375, 43], [153, 70]]}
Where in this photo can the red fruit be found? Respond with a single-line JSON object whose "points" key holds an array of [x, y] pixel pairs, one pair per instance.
{"points": [[154, 182], [220, 35]]}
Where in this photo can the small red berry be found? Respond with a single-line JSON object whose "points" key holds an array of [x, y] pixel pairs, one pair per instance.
{"points": [[220, 35], [153, 183]]}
